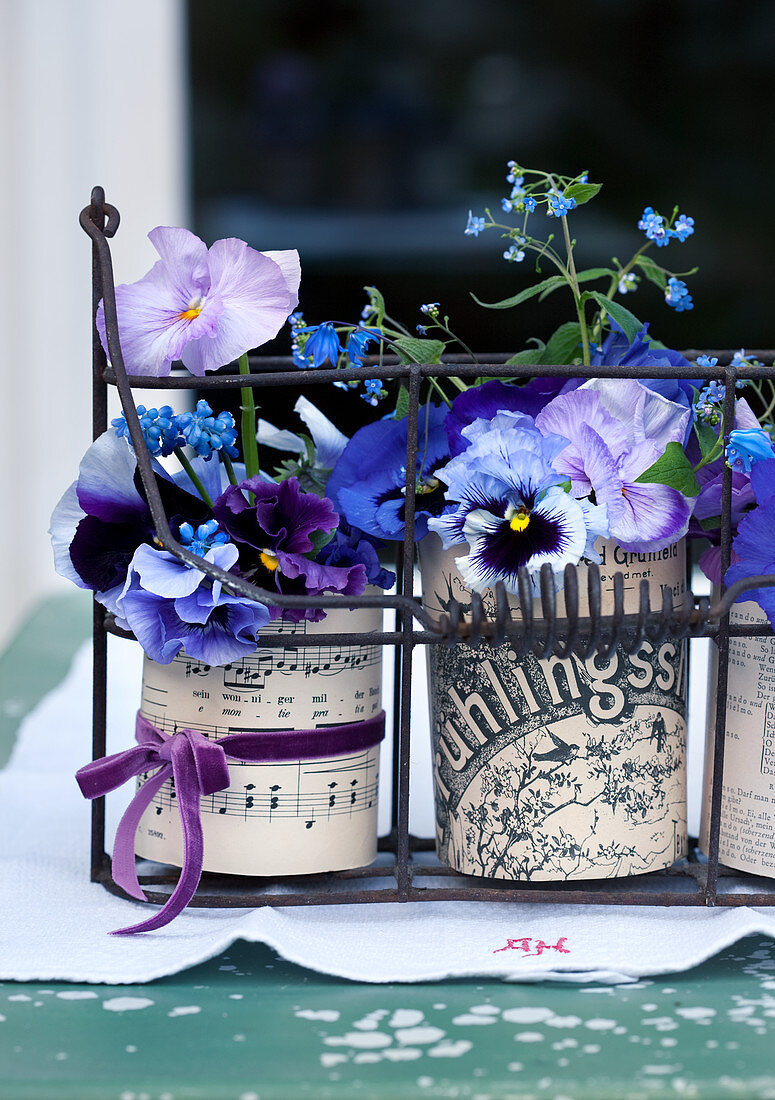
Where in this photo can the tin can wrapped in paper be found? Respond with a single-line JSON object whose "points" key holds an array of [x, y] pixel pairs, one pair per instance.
{"points": [[559, 769], [283, 817], [747, 835]]}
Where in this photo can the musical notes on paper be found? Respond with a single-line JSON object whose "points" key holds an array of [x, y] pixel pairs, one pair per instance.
{"points": [[286, 817]]}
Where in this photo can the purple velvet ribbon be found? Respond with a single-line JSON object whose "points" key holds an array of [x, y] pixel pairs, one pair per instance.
{"points": [[199, 767]]}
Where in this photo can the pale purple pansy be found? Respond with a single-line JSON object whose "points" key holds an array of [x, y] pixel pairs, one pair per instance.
{"points": [[617, 429], [205, 307]]}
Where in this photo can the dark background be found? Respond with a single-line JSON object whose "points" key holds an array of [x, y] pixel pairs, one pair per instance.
{"points": [[362, 133]]}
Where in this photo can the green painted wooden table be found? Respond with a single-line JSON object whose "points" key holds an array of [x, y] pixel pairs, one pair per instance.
{"points": [[250, 1026]]}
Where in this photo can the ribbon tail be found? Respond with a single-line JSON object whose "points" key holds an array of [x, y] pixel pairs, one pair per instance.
{"points": [[188, 797], [123, 867]]}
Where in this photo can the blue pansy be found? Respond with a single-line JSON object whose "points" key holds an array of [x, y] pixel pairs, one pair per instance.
{"points": [[368, 483]]}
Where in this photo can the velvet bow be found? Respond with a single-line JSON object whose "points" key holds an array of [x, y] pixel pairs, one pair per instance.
{"points": [[199, 767]]}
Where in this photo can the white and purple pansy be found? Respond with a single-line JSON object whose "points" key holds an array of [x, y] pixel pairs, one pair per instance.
{"points": [[512, 506]]}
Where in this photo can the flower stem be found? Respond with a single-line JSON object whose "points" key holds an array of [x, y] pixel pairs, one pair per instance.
{"points": [[194, 479], [248, 423], [226, 460]]}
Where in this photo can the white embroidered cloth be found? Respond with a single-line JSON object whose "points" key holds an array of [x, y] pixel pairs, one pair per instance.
{"points": [[56, 923]]}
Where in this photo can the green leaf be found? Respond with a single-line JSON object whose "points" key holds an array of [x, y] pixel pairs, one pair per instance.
{"points": [[411, 349], [672, 468], [529, 292], [706, 438], [554, 282], [590, 273], [528, 357], [319, 539], [628, 322], [653, 272], [582, 192], [402, 403], [563, 344]]}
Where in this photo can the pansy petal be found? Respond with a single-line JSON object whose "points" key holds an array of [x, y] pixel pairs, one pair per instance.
{"points": [[256, 303], [289, 263], [654, 516], [184, 257], [64, 523], [329, 441], [279, 439], [106, 486]]}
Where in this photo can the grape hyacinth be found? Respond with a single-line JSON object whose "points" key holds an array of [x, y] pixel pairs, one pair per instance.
{"points": [[159, 428], [208, 433], [203, 538]]}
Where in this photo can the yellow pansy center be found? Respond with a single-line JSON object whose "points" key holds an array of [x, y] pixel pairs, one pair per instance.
{"points": [[519, 518], [195, 307], [268, 560], [430, 485]]}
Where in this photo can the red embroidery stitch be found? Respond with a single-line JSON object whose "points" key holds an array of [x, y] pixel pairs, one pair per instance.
{"points": [[523, 944]]}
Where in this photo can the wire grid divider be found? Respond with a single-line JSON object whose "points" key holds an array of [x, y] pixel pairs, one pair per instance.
{"points": [[406, 869]]}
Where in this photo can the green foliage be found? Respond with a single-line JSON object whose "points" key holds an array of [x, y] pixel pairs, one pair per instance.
{"points": [[563, 346], [674, 469], [528, 357], [402, 403], [377, 302], [582, 192], [545, 286], [628, 322], [411, 349], [653, 272], [706, 438]]}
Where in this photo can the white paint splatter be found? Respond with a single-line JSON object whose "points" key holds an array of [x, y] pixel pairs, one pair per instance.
{"points": [[402, 1054], [563, 1021], [185, 1010], [600, 1024], [126, 1004], [368, 1056], [619, 1031], [424, 1082], [326, 1015], [485, 1010], [77, 995], [407, 1036], [650, 1008], [249, 1096], [19, 997], [2, 1019], [366, 1040], [469, 1018], [327, 1060], [591, 1048], [527, 1015], [701, 1015], [406, 1017], [450, 1048], [227, 968], [658, 1070], [668, 1042], [661, 1023], [131, 1049], [236, 996], [439, 1007], [370, 1022], [61, 1056], [529, 1037], [515, 1067]]}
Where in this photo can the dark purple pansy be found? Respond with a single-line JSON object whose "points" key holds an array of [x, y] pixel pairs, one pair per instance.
{"points": [[349, 546], [753, 547], [274, 531], [104, 516]]}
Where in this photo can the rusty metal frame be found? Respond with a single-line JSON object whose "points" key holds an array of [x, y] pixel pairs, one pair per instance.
{"points": [[406, 870]]}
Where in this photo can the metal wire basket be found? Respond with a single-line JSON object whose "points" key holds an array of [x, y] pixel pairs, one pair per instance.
{"points": [[407, 869]]}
